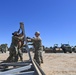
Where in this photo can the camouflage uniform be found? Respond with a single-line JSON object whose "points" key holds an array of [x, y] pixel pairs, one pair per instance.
{"points": [[37, 43], [38, 49], [14, 49]]}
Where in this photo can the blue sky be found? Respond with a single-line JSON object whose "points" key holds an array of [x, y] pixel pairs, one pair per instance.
{"points": [[55, 19]]}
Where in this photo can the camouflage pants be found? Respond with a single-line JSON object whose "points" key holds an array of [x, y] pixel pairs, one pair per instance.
{"points": [[37, 56], [13, 54], [41, 57], [20, 54]]}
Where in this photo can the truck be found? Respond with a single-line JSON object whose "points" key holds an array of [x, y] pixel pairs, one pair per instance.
{"points": [[66, 48], [3, 48], [74, 49], [1, 51]]}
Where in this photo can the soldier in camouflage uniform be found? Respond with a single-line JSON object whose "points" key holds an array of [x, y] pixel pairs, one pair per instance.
{"points": [[37, 43], [14, 47]]}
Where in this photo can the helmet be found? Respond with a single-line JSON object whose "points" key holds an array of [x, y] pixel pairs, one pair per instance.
{"points": [[37, 32], [15, 33]]}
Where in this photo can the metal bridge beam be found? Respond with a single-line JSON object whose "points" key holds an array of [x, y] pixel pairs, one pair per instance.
{"points": [[13, 71]]}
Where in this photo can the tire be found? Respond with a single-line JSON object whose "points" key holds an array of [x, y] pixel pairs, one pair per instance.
{"points": [[64, 51], [54, 50], [70, 51], [2, 51], [74, 51]]}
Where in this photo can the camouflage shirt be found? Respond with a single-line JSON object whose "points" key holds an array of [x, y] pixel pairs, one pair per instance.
{"points": [[37, 43], [15, 40]]}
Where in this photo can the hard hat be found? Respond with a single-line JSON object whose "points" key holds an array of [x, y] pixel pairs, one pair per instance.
{"points": [[37, 32]]}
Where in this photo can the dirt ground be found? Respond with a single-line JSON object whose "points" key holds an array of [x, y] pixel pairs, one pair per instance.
{"points": [[54, 63]]}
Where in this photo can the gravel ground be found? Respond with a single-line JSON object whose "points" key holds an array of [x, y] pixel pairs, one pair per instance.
{"points": [[59, 64], [54, 63]]}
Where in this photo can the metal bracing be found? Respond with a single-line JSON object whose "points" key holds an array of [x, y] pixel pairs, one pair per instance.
{"points": [[13, 71]]}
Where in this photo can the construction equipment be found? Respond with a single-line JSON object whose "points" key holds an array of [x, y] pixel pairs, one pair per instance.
{"points": [[28, 67]]}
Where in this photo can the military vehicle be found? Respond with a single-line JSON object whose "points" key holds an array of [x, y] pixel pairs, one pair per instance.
{"points": [[57, 49], [1, 51], [24, 50], [3, 48], [48, 50], [66, 48], [74, 49]]}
